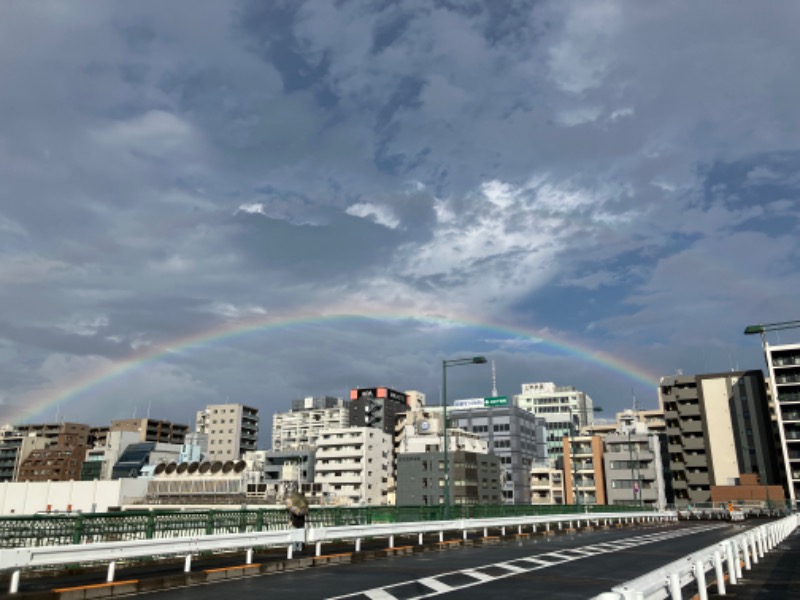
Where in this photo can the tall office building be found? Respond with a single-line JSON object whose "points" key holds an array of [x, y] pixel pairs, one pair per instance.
{"points": [[783, 363], [718, 427], [515, 435], [562, 407], [232, 430]]}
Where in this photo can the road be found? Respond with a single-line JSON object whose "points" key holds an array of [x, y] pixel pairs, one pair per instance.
{"points": [[562, 566]]}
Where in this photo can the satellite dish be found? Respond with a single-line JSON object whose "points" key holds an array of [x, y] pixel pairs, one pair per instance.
{"points": [[171, 468], [228, 466], [240, 466], [216, 466], [183, 467], [205, 467], [193, 466], [159, 469]]}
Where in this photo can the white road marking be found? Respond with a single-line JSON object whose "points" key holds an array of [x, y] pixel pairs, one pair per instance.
{"points": [[477, 575], [435, 585], [480, 578]]}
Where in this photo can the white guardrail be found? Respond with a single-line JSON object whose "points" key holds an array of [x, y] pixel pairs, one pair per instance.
{"points": [[17, 559], [724, 558]]}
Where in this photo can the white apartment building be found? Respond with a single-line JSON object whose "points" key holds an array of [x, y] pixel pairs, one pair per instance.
{"points": [[300, 428], [232, 430], [562, 407], [422, 432], [783, 363], [353, 466]]}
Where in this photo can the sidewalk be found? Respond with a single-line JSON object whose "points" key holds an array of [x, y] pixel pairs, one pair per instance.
{"points": [[776, 576]]}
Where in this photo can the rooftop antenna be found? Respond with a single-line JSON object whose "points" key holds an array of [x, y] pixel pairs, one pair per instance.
{"points": [[633, 395], [494, 381]]}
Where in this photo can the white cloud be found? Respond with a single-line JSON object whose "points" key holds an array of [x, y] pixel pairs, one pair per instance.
{"points": [[380, 214]]}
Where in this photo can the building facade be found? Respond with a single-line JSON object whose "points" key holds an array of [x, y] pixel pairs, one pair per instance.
{"points": [[515, 435], [475, 478], [584, 477], [634, 474], [377, 408], [353, 466], [152, 430], [547, 484], [563, 409], [783, 363], [232, 430], [14, 449], [300, 428], [718, 427]]}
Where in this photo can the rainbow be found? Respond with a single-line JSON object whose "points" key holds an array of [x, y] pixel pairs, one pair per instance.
{"points": [[37, 403]]}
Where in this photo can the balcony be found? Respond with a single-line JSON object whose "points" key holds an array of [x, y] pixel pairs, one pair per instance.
{"points": [[689, 410], [694, 443], [700, 478], [692, 426]]}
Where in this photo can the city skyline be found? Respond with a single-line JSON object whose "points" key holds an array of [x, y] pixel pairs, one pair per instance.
{"points": [[252, 202]]}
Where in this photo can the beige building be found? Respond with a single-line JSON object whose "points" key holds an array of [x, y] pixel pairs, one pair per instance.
{"points": [[232, 430], [353, 466], [152, 430], [547, 484]]}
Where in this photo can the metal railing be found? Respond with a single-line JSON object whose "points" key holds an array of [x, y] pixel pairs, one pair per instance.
{"points": [[80, 528], [723, 559], [17, 559]]}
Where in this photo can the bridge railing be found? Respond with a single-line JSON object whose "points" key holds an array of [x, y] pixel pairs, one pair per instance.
{"points": [[79, 528], [17, 559], [723, 559]]}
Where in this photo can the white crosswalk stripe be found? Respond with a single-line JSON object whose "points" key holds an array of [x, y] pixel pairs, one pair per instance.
{"points": [[537, 562]]}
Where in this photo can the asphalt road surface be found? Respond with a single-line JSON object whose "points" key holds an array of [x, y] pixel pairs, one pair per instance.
{"points": [[564, 566]]}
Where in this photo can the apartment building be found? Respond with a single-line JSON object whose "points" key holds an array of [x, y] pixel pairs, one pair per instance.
{"points": [[584, 477], [547, 484], [300, 428], [353, 466], [14, 449], [633, 469], [475, 478], [562, 408], [718, 428], [783, 363], [232, 430]]}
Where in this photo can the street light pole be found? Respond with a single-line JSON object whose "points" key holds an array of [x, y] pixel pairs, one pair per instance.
{"points": [[576, 499], [475, 360]]}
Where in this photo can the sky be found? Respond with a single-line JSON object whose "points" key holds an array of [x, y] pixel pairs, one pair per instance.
{"points": [[258, 201]]}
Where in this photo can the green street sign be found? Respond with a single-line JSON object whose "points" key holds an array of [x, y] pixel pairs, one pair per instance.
{"points": [[496, 401]]}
